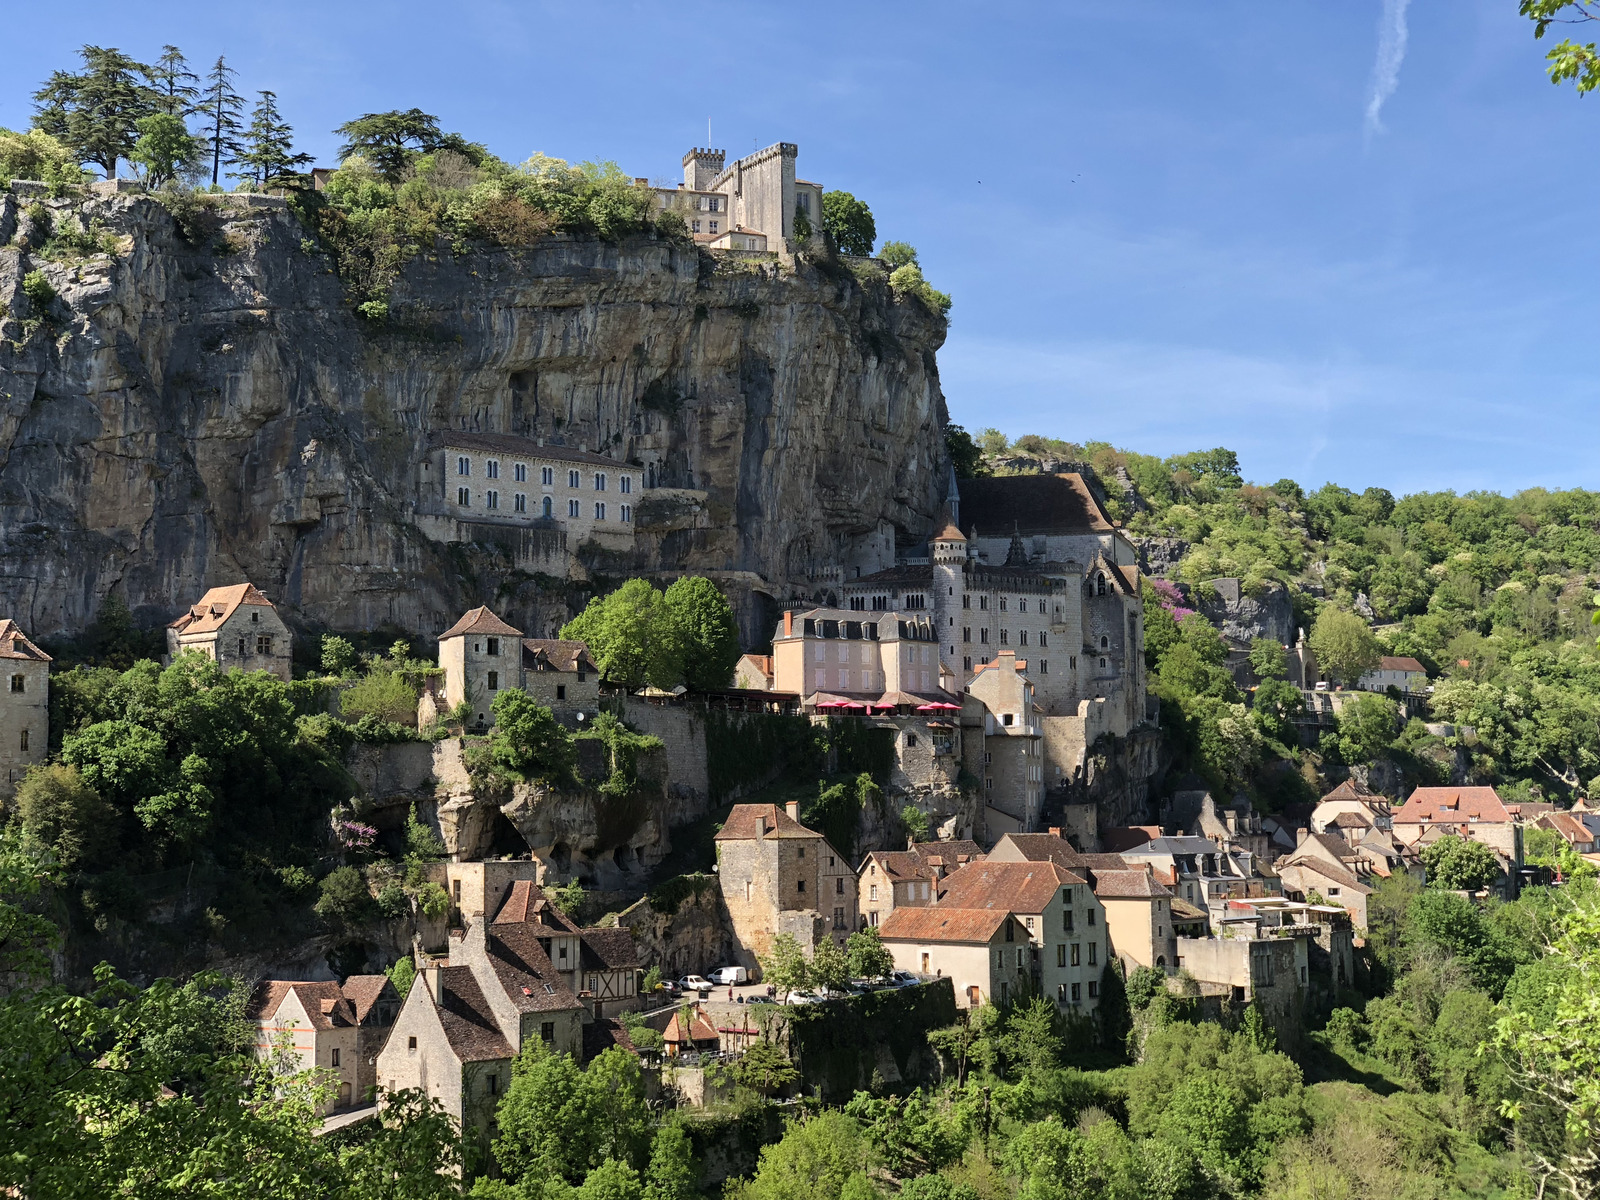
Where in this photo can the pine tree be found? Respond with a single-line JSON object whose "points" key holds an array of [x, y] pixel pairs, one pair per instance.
{"points": [[95, 112], [174, 82], [222, 108], [268, 152]]}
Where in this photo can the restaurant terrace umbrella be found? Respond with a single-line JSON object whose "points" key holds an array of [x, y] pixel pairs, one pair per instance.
{"points": [[939, 706]]}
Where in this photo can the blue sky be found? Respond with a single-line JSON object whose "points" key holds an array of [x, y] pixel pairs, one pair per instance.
{"points": [[1168, 227]]}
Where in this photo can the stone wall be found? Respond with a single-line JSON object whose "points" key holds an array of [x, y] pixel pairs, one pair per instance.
{"points": [[696, 938]]}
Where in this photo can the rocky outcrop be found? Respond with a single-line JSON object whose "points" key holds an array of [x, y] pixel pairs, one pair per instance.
{"points": [[1160, 555], [181, 416], [1243, 617]]}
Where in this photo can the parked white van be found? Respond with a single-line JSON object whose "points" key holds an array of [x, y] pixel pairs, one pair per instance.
{"points": [[728, 976]]}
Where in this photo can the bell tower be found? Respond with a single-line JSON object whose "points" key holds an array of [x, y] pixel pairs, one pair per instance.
{"points": [[947, 551]]}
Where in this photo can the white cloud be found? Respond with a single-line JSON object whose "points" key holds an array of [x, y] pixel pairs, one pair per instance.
{"points": [[1386, 69]]}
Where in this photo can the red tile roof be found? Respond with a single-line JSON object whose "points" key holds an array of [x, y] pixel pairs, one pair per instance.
{"points": [[609, 949], [900, 864], [217, 605], [1403, 663], [950, 851], [1025, 887], [941, 923], [1452, 804], [1350, 789], [325, 1005], [1128, 885], [1569, 825], [744, 823], [363, 991], [525, 970], [15, 644], [526, 904], [480, 620]]}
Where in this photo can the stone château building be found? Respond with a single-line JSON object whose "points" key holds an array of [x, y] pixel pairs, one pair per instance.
{"points": [[753, 204], [24, 705]]}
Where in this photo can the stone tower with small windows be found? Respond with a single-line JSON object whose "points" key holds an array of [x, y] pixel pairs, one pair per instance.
{"points": [[701, 167], [24, 705], [482, 657], [947, 551]]}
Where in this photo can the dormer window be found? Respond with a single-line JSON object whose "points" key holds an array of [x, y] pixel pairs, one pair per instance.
{"points": [[255, 617]]}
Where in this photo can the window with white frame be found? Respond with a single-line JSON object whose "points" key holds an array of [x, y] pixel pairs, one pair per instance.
{"points": [[574, 479], [599, 482], [520, 471], [627, 513], [491, 469], [463, 466], [547, 476], [463, 497], [599, 511], [573, 509], [626, 484], [491, 499], [520, 503]]}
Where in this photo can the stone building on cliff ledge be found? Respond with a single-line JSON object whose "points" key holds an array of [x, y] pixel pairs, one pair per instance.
{"points": [[1033, 571], [24, 705], [234, 626]]}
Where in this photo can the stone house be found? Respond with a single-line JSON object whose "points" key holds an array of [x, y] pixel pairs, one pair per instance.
{"points": [[985, 952], [753, 673], [334, 1029], [1064, 920], [462, 1024], [561, 675], [777, 876], [600, 966], [482, 656], [24, 705], [537, 501], [1352, 798], [888, 879], [1580, 830], [479, 889], [1270, 971], [236, 627], [1202, 872], [1475, 813], [1306, 872], [1140, 921], [1404, 673], [1013, 749]]}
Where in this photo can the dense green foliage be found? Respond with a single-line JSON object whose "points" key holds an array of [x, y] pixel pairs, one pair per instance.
{"points": [[640, 635], [849, 222]]}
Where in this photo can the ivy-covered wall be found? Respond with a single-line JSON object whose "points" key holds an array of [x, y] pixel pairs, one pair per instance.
{"points": [[746, 750], [838, 1045]]}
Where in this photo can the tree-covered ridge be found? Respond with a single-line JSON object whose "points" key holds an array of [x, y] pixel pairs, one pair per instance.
{"points": [[1495, 594]]}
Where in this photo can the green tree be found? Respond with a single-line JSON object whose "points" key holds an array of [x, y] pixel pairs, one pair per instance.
{"points": [[674, 1172], [96, 112], [164, 146], [547, 1122], [785, 968], [899, 254], [382, 695], [623, 747], [344, 901], [223, 108], [1268, 659], [868, 957], [849, 222], [615, 1082], [916, 823], [965, 457], [909, 281], [611, 1180], [267, 152], [816, 1160], [173, 82], [63, 815], [633, 636], [527, 742], [1032, 1042], [1457, 864], [25, 934], [1275, 705], [338, 655], [390, 140], [1344, 645], [830, 967], [1367, 725], [764, 1069], [37, 155], [1579, 62], [707, 631], [402, 974]]}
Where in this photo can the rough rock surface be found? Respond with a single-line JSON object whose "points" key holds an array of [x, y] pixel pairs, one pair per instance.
{"points": [[1242, 617], [183, 417]]}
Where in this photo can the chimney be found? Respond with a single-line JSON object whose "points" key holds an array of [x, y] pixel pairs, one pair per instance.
{"points": [[1055, 831], [788, 622], [435, 976], [793, 809], [1300, 836]]}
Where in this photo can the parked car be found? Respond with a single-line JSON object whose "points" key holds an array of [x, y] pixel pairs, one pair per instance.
{"points": [[726, 976], [696, 983], [902, 979]]}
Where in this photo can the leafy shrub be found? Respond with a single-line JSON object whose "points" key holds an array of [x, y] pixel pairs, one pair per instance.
{"points": [[908, 281], [382, 694], [38, 291], [433, 900], [36, 155], [345, 901], [393, 902]]}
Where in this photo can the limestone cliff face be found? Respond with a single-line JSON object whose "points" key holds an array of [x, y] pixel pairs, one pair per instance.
{"points": [[184, 417]]}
